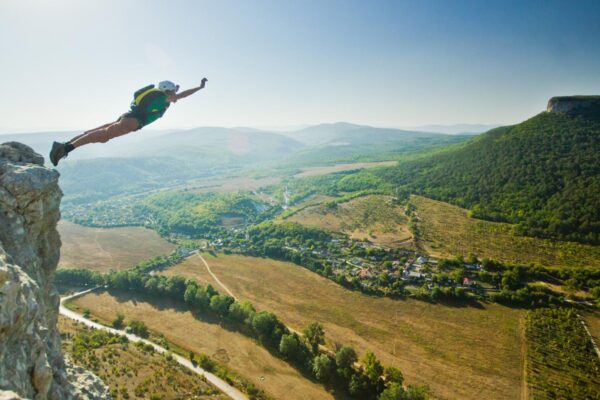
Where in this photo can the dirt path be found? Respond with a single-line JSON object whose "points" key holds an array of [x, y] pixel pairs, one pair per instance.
{"points": [[524, 385], [215, 278], [223, 386], [589, 334]]}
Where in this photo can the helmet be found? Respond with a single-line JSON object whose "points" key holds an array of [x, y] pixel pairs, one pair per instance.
{"points": [[168, 86]]}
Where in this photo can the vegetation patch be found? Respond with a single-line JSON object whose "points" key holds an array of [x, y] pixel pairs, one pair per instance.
{"points": [[561, 361], [375, 218], [445, 230], [131, 370]]}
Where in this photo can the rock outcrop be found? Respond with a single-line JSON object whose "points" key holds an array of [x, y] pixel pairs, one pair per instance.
{"points": [[31, 363], [573, 104]]}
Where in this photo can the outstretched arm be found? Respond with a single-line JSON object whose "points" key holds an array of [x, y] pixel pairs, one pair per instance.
{"points": [[188, 92]]}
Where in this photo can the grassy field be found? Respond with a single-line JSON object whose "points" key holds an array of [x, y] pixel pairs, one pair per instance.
{"points": [[328, 169], [374, 218], [133, 372], [460, 352], [102, 249], [446, 230], [238, 352]]}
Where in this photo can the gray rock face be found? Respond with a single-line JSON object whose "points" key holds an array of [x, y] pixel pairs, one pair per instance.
{"points": [[31, 363], [573, 104]]}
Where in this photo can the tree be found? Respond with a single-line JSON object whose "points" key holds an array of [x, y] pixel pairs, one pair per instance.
{"points": [[220, 304], [373, 369], [394, 375], [242, 312], [394, 391], [202, 299], [315, 335], [323, 367], [139, 328], [118, 322], [360, 387], [290, 347], [345, 359], [265, 323], [190, 293]]}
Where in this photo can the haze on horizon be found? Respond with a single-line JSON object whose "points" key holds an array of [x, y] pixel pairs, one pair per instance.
{"points": [[70, 65]]}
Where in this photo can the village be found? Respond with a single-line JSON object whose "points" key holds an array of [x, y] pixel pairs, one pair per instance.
{"points": [[362, 265]]}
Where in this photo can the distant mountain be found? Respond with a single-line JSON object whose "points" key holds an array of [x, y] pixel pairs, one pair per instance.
{"points": [[345, 142], [457, 129], [542, 174], [149, 160]]}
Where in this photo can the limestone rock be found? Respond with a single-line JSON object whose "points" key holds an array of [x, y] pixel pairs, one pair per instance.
{"points": [[573, 104], [31, 363]]}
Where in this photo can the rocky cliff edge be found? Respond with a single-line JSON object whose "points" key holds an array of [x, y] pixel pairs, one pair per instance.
{"points": [[31, 363]]}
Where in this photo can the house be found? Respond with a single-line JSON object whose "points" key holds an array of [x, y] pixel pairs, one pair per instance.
{"points": [[472, 266], [365, 274], [421, 260]]}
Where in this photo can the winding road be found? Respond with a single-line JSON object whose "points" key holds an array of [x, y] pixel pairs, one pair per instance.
{"points": [[223, 386]]}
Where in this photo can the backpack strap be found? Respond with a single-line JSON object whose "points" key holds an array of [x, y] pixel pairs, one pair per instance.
{"points": [[142, 93]]}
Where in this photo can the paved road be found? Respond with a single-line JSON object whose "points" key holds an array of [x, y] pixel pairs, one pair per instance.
{"points": [[226, 388]]}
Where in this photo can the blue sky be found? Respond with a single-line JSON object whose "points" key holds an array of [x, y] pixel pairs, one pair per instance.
{"points": [[75, 64]]}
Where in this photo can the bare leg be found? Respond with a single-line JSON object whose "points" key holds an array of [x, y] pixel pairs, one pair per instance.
{"points": [[91, 130], [109, 131]]}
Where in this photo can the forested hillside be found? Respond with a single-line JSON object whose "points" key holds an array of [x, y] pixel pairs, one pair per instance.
{"points": [[542, 175]]}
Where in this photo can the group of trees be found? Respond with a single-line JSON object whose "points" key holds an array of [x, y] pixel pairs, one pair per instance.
{"points": [[367, 381], [193, 213]]}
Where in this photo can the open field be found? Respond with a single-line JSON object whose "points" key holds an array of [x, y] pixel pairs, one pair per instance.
{"points": [[374, 218], [328, 169], [460, 352], [102, 249], [446, 230], [129, 370], [238, 352], [230, 184]]}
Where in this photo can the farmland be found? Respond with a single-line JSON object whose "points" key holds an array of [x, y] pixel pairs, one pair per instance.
{"points": [[445, 347], [373, 218], [192, 333], [446, 230], [102, 249]]}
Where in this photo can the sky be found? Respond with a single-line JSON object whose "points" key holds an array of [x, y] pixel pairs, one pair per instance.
{"points": [[74, 64]]}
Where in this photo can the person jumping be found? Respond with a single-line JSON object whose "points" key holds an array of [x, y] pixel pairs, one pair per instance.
{"points": [[148, 105]]}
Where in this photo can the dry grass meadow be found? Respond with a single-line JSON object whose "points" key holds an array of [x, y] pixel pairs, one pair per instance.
{"points": [[103, 249], [238, 352], [374, 218], [460, 352], [446, 230]]}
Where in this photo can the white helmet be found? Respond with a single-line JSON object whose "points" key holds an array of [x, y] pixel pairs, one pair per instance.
{"points": [[168, 86]]}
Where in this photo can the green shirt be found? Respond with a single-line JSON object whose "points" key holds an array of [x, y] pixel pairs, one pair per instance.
{"points": [[154, 108]]}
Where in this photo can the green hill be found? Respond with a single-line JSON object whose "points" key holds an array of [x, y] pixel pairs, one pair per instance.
{"points": [[542, 175]]}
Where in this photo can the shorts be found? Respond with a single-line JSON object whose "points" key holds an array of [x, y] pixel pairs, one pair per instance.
{"points": [[133, 113]]}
